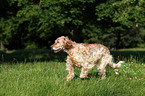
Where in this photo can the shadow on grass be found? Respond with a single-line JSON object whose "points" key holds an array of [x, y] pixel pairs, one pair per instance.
{"points": [[94, 75], [49, 55], [129, 55], [31, 55]]}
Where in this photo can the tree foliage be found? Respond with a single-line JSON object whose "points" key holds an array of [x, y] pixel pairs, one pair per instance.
{"points": [[37, 23]]}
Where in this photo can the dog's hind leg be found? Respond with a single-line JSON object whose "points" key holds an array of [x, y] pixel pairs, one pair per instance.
{"points": [[102, 72], [102, 66]]}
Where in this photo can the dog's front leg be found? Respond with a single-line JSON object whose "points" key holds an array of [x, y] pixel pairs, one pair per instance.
{"points": [[71, 73], [84, 72], [70, 68]]}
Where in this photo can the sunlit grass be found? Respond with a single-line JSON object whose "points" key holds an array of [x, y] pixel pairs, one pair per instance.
{"points": [[133, 49], [48, 78]]}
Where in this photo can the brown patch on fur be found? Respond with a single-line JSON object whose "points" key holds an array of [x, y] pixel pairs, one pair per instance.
{"points": [[68, 44]]}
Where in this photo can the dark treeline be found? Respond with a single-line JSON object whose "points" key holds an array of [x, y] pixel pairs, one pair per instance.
{"points": [[37, 23]]}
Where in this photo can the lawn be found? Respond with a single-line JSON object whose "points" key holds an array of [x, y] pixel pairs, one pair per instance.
{"points": [[42, 73]]}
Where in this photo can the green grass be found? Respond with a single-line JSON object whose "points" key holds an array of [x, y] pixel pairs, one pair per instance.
{"points": [[42, 73]]}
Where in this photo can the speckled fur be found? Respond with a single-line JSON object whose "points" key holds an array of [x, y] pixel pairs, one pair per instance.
{"points": [[85, 56]]}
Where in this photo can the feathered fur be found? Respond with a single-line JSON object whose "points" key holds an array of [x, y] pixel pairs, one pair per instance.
{"points": [[85, 56]]}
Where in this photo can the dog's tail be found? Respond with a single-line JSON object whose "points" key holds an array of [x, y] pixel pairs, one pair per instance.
{"points": [[113, 65]]}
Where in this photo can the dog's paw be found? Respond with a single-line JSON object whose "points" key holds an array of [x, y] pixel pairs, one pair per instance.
{"points": [[121, 62], [103, 77], [69, 77], [84, 77]]}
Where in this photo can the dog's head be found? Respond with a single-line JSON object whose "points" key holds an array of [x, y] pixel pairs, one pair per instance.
{"points": [[61, 43]]}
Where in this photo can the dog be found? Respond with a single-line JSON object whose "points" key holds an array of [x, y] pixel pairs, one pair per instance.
{"points": [[85, 56]]}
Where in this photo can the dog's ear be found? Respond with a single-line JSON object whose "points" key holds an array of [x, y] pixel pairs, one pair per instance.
{"points": [[68, 44]]}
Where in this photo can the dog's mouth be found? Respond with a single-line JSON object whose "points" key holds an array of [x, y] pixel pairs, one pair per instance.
{"points": [[57, 50]]}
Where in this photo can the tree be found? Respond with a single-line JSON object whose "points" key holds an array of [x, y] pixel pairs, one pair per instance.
{"points": [[37, 23], [30, 26], [74, 14], [123, 19]]}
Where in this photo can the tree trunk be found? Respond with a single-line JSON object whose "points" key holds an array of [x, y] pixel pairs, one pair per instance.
{"points": [[76, 35], [74, 31], [2, 46]]}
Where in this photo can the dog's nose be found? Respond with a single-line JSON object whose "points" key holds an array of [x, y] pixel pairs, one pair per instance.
{"points": [[51, 46]]}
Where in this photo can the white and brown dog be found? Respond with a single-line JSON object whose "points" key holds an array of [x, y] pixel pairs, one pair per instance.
{"points": [[85, 56]]}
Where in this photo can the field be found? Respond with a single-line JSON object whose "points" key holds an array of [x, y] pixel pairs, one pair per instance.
{"points": [[42, 73]]}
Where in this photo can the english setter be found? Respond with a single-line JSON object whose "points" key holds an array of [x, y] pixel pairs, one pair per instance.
{"points": [[85, 56]]}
